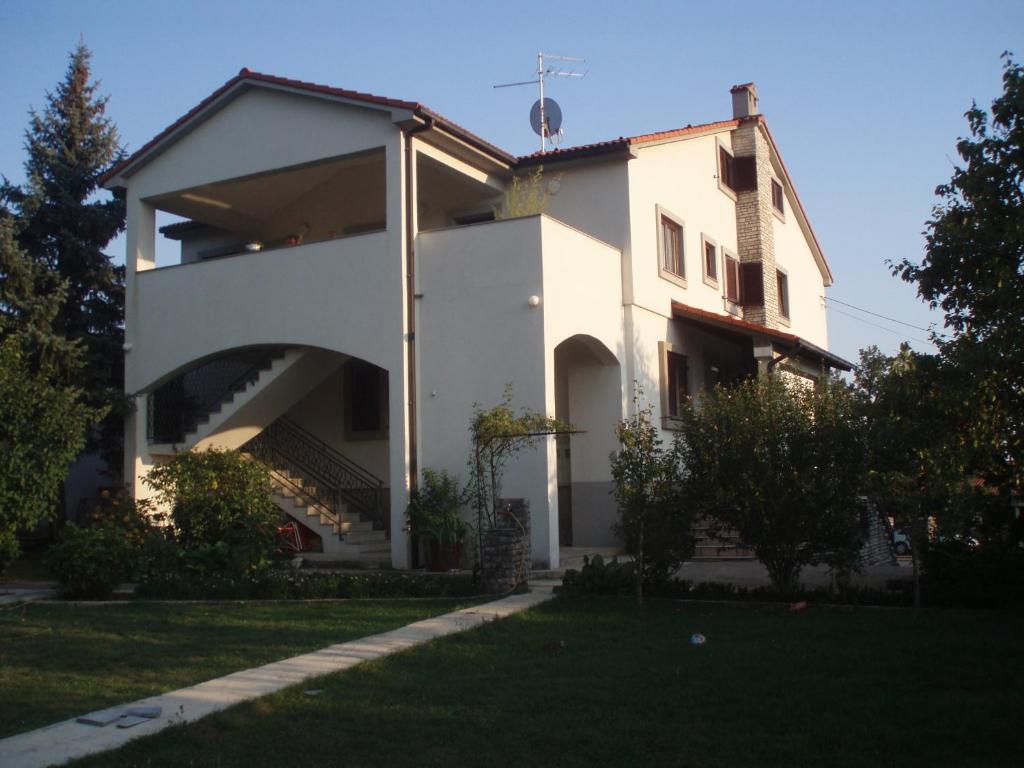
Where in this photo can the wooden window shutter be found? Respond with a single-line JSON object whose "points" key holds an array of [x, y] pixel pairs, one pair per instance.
{"points": [[732, 279], [745, 171], [752, 283]]}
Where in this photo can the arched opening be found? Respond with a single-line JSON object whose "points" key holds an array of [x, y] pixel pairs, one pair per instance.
{"points": [[318, 420], [588, 394]]}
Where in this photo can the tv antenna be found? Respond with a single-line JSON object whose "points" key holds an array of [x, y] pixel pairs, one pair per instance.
{"points": [[546, 115]]}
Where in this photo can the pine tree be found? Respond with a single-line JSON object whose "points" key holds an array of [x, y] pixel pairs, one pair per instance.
{"points": [[65, 222]]}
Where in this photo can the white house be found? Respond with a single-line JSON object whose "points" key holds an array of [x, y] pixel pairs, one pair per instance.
{"points": [[344, 297]]}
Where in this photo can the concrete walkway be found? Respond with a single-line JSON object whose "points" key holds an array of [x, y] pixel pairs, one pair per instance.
{"points": [[69, 740]]}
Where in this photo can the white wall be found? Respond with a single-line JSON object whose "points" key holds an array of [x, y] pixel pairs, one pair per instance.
{"points": [[681, 177], [477, 333], [261, 130], [806, 286]]}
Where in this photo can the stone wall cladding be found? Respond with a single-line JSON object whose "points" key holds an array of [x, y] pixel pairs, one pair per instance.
{"points": [[506, 548], [755, 235]]}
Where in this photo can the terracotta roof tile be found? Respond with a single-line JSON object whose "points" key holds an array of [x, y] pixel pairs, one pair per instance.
{"points": [[611, 145]]}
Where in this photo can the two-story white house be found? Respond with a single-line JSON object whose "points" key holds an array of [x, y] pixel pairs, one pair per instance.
{"points": [[345, 296]]}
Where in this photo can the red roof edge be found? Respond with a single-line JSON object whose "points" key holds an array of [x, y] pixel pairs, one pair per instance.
{"points": [[797, 344]]}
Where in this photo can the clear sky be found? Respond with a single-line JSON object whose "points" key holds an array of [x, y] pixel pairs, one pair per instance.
{"points": [[866, 99]]}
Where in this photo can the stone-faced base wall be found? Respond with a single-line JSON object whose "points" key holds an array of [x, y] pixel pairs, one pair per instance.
{"points": [[506, 548]]}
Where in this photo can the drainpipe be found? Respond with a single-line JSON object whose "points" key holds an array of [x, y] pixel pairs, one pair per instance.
{"points": [[410, 297]]}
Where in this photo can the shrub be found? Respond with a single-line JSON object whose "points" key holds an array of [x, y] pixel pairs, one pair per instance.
{"points": [[289, 584], [598, 577], [433, 510], [42, 429], [781, 465], [654, 521], [222, 510], [91, 562]]}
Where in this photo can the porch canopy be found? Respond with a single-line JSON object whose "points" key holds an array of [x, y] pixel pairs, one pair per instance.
{"points": [[784, 345]]}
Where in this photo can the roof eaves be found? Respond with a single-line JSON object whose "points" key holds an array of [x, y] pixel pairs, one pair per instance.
{"points": [[248, 76], [819, 254], [686, 312]]}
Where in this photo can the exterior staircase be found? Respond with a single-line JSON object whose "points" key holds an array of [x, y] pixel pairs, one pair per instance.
{"points": [[227, 401], [726, 546], [314, 484], [345, 535]]}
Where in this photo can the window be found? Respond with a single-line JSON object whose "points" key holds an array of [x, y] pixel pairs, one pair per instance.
{"points": [[732, 278], [726, 169], [367, 401], [674, 383], [677, 389], [710, 261], [782, 282], [778, 198], [671, 246]]}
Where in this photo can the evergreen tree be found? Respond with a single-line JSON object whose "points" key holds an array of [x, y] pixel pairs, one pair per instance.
{"points": [[64, 222]]}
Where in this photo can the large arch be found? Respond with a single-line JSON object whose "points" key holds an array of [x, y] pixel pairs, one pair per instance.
{"points": [[588, 395]]}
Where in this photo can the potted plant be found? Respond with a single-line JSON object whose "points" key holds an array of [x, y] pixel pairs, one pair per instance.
{"points": [[433, 515]]}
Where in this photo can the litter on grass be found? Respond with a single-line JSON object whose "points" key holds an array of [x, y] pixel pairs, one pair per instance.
{"points": [[697, 639]]}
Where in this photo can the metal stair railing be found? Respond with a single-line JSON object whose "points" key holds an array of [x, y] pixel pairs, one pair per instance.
{"points": [[329, 477], [178, 407]]}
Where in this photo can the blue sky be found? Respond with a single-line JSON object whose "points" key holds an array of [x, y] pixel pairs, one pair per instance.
{"points": [[866, 99]]}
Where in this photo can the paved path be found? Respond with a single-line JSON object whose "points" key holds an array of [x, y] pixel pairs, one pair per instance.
{"points": [[25, 592], [62, 742]]}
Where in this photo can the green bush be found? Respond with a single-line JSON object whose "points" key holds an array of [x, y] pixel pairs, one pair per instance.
{"points": [[433, 510], [289, 584], [598, 577], [42, 429], [222, 510], [91, 562]]}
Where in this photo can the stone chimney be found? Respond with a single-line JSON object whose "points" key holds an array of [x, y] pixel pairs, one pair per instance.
{"points": [[755, 235], [744, 101]]}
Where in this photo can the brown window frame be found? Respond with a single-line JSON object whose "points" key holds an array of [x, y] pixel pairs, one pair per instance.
{"points": [[778, 197], [732, 279], [782, 286], [726, 168], [675, 383], [709, 256], [672, 249]]}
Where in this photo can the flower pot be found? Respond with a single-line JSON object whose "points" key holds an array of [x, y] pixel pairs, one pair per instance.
{"points": [[443, 556]]}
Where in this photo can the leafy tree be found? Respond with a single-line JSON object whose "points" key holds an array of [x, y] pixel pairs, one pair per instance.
{"points": [[42, 429], [654, 522], [974, 270], [63, 226], [30, 299], [782, 465]]}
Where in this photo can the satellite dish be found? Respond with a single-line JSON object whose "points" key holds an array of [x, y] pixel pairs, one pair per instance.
{"points": [[552, 117]]}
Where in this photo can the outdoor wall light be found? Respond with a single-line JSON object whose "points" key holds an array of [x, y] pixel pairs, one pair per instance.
{"points": [[534, 301]]}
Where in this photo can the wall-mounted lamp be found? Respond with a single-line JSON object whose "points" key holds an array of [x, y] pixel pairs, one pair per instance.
{"points": [[127, 347], [534, 301]]}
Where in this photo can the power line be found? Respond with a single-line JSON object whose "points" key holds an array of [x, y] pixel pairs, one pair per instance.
{"points": [[876, 325], [876, 314]]}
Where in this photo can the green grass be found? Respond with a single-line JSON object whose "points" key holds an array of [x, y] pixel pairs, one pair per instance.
{"points": [[57, 661], [854, 687]]}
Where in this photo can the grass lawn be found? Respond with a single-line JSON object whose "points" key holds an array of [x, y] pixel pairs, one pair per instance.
{"points": [[57, 661], [825, 687]]}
